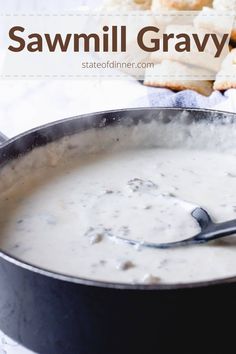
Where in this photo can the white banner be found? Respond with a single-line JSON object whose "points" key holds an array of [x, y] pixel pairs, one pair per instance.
{"points": [[148, 46]]}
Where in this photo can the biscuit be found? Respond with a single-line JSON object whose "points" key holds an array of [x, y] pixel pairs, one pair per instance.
{"points": [[127, 5], [213, 20], [204, 60], [180, 5], [144, 4], [230, 6], [224, 5], [164, 75], [226, 78], [233, 33]]}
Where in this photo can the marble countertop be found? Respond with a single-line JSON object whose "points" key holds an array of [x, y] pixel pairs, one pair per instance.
{"points": [[27, 104]]}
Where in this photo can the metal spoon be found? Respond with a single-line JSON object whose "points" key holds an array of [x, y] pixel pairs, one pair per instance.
{"points": [[209, 231]]}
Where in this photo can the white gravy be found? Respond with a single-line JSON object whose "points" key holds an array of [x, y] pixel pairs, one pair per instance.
{"points": [[63, 205]]}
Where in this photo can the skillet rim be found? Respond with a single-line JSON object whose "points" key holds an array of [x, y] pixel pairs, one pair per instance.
{"points": [[97, 283]]}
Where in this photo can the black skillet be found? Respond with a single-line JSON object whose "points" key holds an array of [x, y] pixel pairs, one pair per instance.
{"points": [[55, 314]]}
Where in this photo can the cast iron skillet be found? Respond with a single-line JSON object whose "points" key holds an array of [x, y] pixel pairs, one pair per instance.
{"points": [[55, 314]]}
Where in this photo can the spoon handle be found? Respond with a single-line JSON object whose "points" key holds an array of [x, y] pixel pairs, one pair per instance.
{"points": [[215, 231]]}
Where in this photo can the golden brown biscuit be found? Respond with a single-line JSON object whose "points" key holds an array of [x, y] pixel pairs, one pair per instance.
{"points": [[228, 6], [180, 5], [226, 78], [233, 34], [223, 85], [144, 4], [173, 75], [204, 60], [224, 5], [213, 21], [126, 5]]}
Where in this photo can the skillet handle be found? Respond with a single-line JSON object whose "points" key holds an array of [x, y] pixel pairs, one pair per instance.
{"points": [[3, 138]]}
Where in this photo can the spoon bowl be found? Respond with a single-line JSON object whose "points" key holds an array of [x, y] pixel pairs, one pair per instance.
{"points": [[209, 231]]}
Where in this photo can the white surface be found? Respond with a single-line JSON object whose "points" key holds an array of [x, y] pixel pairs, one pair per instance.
{"points": [[7, 346], [26, 104]]}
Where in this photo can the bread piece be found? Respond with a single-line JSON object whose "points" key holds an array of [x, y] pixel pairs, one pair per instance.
{"points": [[228, 6], [144, 4], [224, 5], [226, 78], [173, 75], [203, 60], [213, 21], [127, 5], [180, 5], [233, 33]]}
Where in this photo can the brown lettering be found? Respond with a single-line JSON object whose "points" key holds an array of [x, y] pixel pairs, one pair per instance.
{"points": [[17, 39], [52, 44], [123, 38], [166, 38], [37, 45], [183, 46], [219, 45], [86, 38], [201, 46], [156, 41]]}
